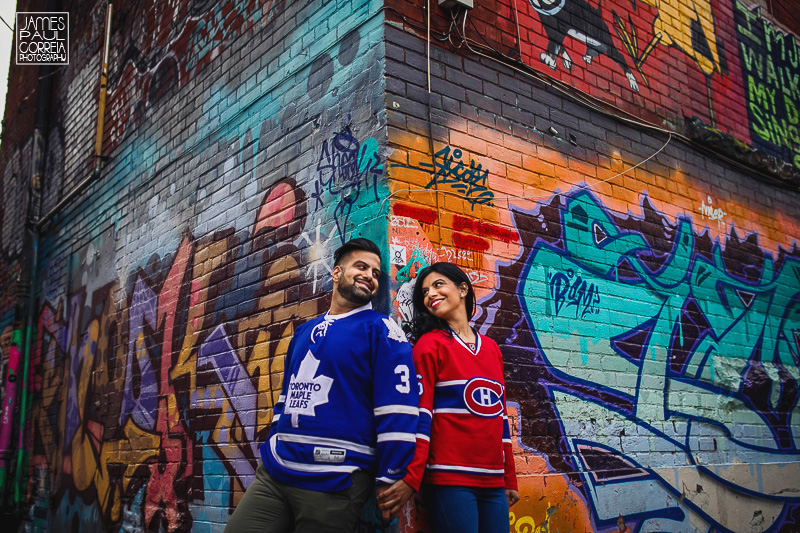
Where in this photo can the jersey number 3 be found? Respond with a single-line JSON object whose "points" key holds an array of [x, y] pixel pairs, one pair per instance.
{"points": [[404, 386]]}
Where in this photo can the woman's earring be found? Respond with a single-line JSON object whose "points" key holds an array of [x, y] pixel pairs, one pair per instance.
{"points": [[462, 294]]}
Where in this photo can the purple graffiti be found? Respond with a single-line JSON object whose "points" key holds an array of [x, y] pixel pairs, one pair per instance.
{"points": [[140, 404]]}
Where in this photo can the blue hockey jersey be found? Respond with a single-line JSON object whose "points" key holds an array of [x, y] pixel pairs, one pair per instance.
{"points": [[349, 401]]}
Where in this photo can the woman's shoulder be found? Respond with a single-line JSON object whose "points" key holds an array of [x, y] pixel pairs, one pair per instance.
{"points": [[434, 337]]}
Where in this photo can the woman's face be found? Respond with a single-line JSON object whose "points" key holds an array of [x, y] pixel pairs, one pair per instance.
{"points": [[441, 297]]}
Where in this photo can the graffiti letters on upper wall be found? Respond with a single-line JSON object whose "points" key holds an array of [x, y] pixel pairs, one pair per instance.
{"points": [[770, 61]]}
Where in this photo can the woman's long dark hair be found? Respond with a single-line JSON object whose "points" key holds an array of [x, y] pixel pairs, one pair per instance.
{"points": [[423, 321]]}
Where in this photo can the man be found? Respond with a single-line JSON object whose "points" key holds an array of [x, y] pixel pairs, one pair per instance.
{"points": [[347, 414]]}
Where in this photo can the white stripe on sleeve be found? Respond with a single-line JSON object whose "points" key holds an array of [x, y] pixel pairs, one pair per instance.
{"points": [[396, 410], [397, 436]]}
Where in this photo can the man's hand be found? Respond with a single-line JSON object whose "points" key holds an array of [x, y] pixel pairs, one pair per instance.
{"points": [[392, 498], [512, 496]]}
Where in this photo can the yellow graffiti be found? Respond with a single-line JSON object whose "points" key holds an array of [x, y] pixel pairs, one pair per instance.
{"points": [[526, 524], [89, 460], [207, 259], [269, 369], [674, 25]]}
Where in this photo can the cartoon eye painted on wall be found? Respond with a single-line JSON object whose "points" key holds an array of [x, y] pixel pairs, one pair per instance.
{"points": [[547, 7]]}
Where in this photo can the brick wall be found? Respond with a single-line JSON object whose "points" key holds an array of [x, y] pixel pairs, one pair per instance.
{"points": [[244, 143], [639, 287], [644, 290], [667, 62]]}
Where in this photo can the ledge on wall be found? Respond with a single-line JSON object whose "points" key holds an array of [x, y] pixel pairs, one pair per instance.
{"points": [[769, 168]]}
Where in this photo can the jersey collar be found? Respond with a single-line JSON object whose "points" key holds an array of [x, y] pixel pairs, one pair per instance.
{"points": [[476, 346], [330, 318]]}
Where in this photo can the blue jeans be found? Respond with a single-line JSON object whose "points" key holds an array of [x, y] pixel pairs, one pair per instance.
{"points": [[466, 509]]}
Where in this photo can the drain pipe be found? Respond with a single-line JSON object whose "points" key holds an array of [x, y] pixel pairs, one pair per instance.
{"points": [[101, 110], [98, 143]]}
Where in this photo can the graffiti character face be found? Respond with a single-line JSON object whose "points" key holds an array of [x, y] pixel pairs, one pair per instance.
{"points": [[356, 279], [442, 297]]}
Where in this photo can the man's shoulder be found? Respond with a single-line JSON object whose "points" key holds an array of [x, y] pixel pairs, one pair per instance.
{"points": [[307, 325], [382, 325]]}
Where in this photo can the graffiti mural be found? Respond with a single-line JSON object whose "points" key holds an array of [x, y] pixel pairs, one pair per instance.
{"points": [[197, 383], [346, 170], [449, 168], [582, 21], [663, 411], [770, 61], [158, 55], [652, 47]]}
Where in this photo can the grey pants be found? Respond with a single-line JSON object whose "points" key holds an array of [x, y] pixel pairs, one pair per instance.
{"points": [[269, 506]]}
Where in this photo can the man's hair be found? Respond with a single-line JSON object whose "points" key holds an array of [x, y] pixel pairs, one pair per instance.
{"points": [[354, 245]]}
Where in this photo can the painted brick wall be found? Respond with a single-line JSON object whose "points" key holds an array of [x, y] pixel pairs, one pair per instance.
{"points": [[644, 293], [245, 142], [665, 61]]}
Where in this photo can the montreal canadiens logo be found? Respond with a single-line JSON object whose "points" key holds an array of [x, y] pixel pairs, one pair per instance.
{"points": [[484, 397]]}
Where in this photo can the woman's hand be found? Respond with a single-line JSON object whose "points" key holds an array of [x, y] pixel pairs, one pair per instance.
{"points": [[512, 496], [391, 498]]}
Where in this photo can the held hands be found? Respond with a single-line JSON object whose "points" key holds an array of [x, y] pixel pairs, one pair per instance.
{"points": [[392, 498], [512, 496]]}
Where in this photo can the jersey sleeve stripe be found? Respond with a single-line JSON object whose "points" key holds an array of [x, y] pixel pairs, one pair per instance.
{"points": [[454, 411], [451, 383], [322, 441], [397, 436], [423, 437], [475, 470], [397, 409], [422, 410]]}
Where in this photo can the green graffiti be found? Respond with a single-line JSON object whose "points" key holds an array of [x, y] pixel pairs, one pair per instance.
{"points": [[770, 61], [597, 290], [417, 260]]}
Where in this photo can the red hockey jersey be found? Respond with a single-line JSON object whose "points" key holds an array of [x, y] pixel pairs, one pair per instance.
{"points": [[463, 436]]}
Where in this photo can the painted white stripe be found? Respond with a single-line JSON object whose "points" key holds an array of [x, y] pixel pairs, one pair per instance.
{"points": [[456, 411], [423, 437], [466, 469], [451, 383], [322, 441], [397, 436], [301, 467], [426, 411], [397, 409]]}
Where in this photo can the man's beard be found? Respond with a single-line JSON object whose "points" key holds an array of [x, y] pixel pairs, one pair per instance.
{"points": [[355, 293]]}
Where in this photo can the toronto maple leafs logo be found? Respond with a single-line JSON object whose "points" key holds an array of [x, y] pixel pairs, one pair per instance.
{"points": [[306, 391], [396, 333]]}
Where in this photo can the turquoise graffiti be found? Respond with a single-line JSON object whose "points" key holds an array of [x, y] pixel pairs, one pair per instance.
{"points": [[346, 171], [673, 372]]}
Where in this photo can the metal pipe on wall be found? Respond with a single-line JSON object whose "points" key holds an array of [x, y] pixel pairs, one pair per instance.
{"points": [[101, 109]]}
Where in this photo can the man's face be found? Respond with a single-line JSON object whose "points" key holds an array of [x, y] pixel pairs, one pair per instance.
{"points": [[356, 277]]}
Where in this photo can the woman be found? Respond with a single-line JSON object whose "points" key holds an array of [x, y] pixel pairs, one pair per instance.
{"points": [[463, 459]]}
